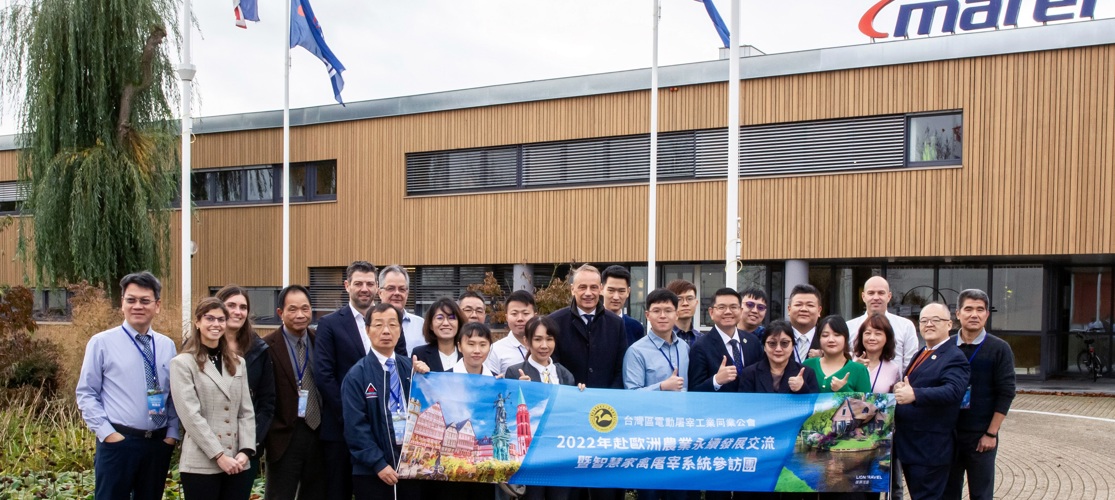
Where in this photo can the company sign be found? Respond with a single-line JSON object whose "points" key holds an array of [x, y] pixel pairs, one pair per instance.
{"points": [[975, 14]]}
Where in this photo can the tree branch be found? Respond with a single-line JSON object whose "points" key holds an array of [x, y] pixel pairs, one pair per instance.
{"points": [[146, 62]]}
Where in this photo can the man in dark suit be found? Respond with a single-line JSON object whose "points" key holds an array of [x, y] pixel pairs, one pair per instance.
{"points": [[374, 396], [591, 342], [928, 407], [718, 356], [294, 457], [341, 342], [616, 282], [803, 310], [591, 339]]}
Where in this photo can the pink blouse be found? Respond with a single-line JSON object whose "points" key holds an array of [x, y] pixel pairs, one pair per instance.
{"points": [[884, 376]]}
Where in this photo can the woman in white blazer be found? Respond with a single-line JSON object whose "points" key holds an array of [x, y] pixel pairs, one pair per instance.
{"points": [[209, 387]]}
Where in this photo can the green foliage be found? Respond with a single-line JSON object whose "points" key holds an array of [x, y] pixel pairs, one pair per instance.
{"points": [[93, 82], [820, 422], [788, 482]]}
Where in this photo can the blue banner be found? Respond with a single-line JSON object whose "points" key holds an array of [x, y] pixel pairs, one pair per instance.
{"points": [[481, 429]]}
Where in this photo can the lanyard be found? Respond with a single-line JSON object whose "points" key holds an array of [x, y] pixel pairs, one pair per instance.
{"points": [[520, 348], [668, 360], [975, 352], [300, 369], [877, 372], [149, 361]]}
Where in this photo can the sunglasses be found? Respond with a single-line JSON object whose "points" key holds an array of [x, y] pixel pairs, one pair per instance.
{"points": [[756, 306]]}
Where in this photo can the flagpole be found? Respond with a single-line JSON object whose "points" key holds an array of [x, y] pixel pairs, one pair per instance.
{"points": [[286, 150], [186, 72], [732, 247], [652, 210]]}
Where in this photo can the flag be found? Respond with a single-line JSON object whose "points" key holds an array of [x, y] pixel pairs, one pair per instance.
{"points": [[721, 28], [245, 10], [308, 35]]}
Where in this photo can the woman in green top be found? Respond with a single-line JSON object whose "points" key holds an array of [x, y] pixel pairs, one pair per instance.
{"points": [[835, 370]]}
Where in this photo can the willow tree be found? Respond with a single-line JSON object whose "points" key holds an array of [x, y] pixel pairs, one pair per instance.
{"points": [[92, 83]]}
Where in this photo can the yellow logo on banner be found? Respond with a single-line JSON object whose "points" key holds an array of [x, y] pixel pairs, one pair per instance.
{"points": [[603, 417]]}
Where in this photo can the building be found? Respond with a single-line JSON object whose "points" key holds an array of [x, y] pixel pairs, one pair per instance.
{"points": [[522, 426], [980, 159]]}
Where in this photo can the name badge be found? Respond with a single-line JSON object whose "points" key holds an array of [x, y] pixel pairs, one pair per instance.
{"points": [[967, 401], [156, 403], [303, 397], [399, 422]]}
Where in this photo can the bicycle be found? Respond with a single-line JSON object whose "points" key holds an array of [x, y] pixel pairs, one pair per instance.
{"points": [[1087, 361]]}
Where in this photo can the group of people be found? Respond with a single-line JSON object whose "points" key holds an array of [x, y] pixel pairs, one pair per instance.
{"points": [[326, 409]]}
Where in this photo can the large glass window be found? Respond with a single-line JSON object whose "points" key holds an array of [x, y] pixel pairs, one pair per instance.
{"points": [[935, 139], [910, 288], [952, 280], [1016, 298], [1027, 352], [309, 181], [849, 289]]}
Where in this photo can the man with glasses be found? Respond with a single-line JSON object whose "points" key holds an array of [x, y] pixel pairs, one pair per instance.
{"points": [[719, 355], [123, 394], [342, 341], [990, 393], [394, 289], [617, 288], [929, 398], [804, 309], [686, 328], [876, 296], [754, 311], [473, 307]]}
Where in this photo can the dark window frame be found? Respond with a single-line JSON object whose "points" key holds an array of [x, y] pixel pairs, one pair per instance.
{"points": [[258, 319], [311, 169], [910, 117]]}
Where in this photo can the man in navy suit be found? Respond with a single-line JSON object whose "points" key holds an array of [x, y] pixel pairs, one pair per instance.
{"points": [[341, 342], [718, 356], [929, 399]]}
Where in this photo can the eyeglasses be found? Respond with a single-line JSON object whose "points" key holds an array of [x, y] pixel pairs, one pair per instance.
{"points": [[785, 344], [722, 308], [662, 311], [756, 306], [472, 310], [927, 321], [213, 319], [686, 299], [131, 301], [445, 317], [393, 289]]}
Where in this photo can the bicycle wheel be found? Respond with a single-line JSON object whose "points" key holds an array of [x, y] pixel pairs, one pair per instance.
{"points": [[1084, 362], [1095, 367]]}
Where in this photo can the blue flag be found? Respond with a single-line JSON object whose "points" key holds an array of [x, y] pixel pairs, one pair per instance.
{"points": [[721, 28], [245, 10], [308, 35]]}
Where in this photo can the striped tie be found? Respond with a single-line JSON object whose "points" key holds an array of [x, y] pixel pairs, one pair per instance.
{"points": [[149, 370], [395, 404]]}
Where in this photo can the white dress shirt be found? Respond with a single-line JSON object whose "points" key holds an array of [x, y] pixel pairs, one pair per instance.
{"points": [[802, 341], [505, 353], [448, 360], [724, 337], [460, 368], [361, 329], [906, 343], [412, 332], [548, 374]]}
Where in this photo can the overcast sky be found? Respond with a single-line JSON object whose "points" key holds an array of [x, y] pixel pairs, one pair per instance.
{"points": [[407, 47]]}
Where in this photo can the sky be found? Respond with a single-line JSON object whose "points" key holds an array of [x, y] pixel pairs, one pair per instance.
{"points": [[410, 47]]}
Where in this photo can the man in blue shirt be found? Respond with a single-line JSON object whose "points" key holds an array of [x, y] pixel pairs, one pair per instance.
{"points": [[123, 394]]}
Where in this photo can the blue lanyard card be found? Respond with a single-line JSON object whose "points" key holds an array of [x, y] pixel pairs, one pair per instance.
{"points": [[156, 403]]}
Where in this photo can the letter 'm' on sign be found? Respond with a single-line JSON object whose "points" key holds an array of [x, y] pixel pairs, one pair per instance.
{"points": [[928, 9]]}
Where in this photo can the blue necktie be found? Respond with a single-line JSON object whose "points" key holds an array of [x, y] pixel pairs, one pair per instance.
{"points": [[737, 357], [588, 318], [145, 341], [395, 404]]}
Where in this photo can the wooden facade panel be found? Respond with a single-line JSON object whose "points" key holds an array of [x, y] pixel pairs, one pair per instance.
{"points": [[1037, 178], [9, 165]]}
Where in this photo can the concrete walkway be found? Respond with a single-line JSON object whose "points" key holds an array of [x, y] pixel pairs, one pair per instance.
{"points": [[1057, 447]]}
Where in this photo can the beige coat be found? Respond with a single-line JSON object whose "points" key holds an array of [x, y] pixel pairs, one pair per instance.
{"points": [[215, 410]]}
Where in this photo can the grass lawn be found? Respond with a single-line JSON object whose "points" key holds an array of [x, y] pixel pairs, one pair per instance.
{"points": [[853, 444], [788, 482]]}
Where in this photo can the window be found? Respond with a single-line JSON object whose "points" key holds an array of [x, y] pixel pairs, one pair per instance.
{"points": [[309, 181], [51, 304], [935, 139], [12, 194], [263, 302]]}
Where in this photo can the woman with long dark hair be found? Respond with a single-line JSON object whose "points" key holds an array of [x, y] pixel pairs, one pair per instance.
{"points": [[442, 323], [209, 386], [242, 339], [835, 370]]}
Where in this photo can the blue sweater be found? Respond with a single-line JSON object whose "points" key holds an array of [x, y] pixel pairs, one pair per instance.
{"points": [[368, 430]]}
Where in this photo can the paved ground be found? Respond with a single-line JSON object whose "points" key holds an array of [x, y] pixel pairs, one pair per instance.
{"points": [[1057, 447]]}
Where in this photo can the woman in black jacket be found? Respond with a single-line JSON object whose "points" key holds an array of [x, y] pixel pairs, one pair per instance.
{"points": [[778, 372], [244, 341]]}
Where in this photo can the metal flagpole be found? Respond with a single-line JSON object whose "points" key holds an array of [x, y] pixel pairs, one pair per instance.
{"points": [[732, 247], [186, 72], [286, 150], [652, 210]]}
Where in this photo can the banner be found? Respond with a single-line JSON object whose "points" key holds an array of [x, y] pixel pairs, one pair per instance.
{"points": [[481, 429]]}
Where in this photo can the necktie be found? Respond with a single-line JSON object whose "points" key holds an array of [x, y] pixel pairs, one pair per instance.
{"points": [[917, 361], [588, 318], [149, 370], [546, 375], [395, 404], [313, 405], [737, 356], [798, 343]]}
